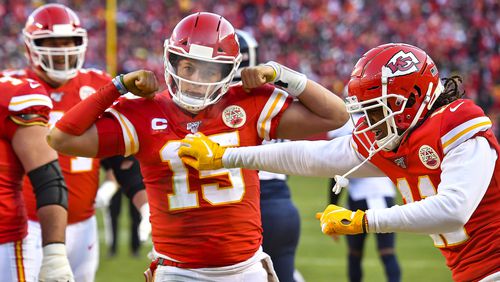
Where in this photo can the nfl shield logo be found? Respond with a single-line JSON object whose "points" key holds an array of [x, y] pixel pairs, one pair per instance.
{"points": [[193, 126]]}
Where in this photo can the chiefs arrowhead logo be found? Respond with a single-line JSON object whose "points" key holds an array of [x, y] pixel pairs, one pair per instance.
{"points": [[403, 63]]}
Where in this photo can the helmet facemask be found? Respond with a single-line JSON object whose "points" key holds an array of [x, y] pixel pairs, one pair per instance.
{"points": [[386, 124], [47, 57], [392, 106], [206, 86]]}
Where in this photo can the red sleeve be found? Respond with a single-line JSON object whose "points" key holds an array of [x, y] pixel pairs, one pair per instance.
{"points": [[271, 102], [276, 120], [110, 137], [81, 117], [9, 128]]}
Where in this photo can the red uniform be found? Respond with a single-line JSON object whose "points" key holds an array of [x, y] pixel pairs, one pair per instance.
{"points": [[472, 252], [18, 97], [204, 219], [81, 174]]}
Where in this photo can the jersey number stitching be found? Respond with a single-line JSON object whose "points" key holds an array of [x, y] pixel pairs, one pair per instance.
{"points": [[182, 196], [426, 189]]}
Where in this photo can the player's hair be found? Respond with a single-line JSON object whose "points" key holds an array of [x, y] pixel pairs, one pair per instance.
{"points": [[450, 93]]}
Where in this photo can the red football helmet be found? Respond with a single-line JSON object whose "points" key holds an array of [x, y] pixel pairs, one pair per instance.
{"points": [[209, 45], [400, 79], [55, 21]]}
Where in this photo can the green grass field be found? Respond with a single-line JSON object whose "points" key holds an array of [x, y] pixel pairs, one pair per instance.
{"points": [[319, 258]]}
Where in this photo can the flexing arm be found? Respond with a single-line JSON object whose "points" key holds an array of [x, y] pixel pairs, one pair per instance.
{"points": [[316, 109], [76, 134], [466, 174]]}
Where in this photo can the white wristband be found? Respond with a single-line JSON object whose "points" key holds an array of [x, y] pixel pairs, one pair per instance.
{"points": [[292, 81], [54, 249]]}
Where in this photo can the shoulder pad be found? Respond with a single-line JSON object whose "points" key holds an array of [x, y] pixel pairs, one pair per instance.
{"points": [[12, 72], [95, 71], [462, 120], [30, 119]]}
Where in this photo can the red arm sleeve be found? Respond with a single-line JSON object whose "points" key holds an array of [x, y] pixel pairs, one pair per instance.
{"points": [[110, 138], [81, 117]]}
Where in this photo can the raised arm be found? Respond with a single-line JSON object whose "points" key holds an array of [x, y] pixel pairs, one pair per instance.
{"points": [[315, 109], [75, 133]]}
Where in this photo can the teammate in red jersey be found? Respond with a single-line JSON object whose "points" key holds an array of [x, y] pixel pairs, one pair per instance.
{"points": [[206, 226], [56, 44], [437, 148], [24, 110]]}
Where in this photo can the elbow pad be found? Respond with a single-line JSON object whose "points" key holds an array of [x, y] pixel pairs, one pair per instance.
{"points": [[127, 173], [49, 186]]}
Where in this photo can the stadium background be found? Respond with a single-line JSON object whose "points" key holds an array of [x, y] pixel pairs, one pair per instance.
{"points": [[321, 38]]}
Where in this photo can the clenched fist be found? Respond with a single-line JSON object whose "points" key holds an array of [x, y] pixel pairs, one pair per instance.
{"points": [[253, 77], [141, 83]]}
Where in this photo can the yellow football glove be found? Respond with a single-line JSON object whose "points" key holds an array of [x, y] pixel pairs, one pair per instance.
{"points": [[199, 152], [337, 220]]}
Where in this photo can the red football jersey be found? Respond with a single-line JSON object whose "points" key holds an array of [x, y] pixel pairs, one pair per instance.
{"points": [[207, 218], [81, 174], [472, 252], [19, 96]]}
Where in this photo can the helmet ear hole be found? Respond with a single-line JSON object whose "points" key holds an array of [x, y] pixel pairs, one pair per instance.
{"points": [[411, 101]]}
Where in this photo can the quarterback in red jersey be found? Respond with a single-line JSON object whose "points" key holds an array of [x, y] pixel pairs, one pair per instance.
{"points": [[24, 110], [437, 148], [206, 226], [56, 44]]}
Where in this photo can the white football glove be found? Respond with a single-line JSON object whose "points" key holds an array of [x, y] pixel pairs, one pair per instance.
{"points": [[106, 191], [144, 228], [55, 265]]}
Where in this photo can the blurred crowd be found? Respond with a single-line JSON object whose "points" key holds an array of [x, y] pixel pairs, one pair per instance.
{"points": [[322, 38]]}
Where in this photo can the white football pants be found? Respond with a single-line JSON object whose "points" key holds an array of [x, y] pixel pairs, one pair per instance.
{"points": [[82, 247]]}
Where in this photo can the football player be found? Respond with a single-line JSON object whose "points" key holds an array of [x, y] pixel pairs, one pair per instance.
{"points": [[206, 226], [55, 46], [280, 239], [437, 148], [24, 113]]}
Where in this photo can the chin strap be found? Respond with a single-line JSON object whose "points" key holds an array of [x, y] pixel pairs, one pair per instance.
{"points": [[342, 182]]}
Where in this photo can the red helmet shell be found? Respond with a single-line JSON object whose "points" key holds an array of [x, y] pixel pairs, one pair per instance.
{"points": [[409, 73], [45, 20], [209, 30]]}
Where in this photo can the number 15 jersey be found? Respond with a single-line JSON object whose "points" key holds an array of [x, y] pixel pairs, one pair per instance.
{"points": [[202, 218]]}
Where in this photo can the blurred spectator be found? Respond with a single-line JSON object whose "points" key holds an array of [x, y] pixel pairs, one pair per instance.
{"points": [[320, 38]]}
